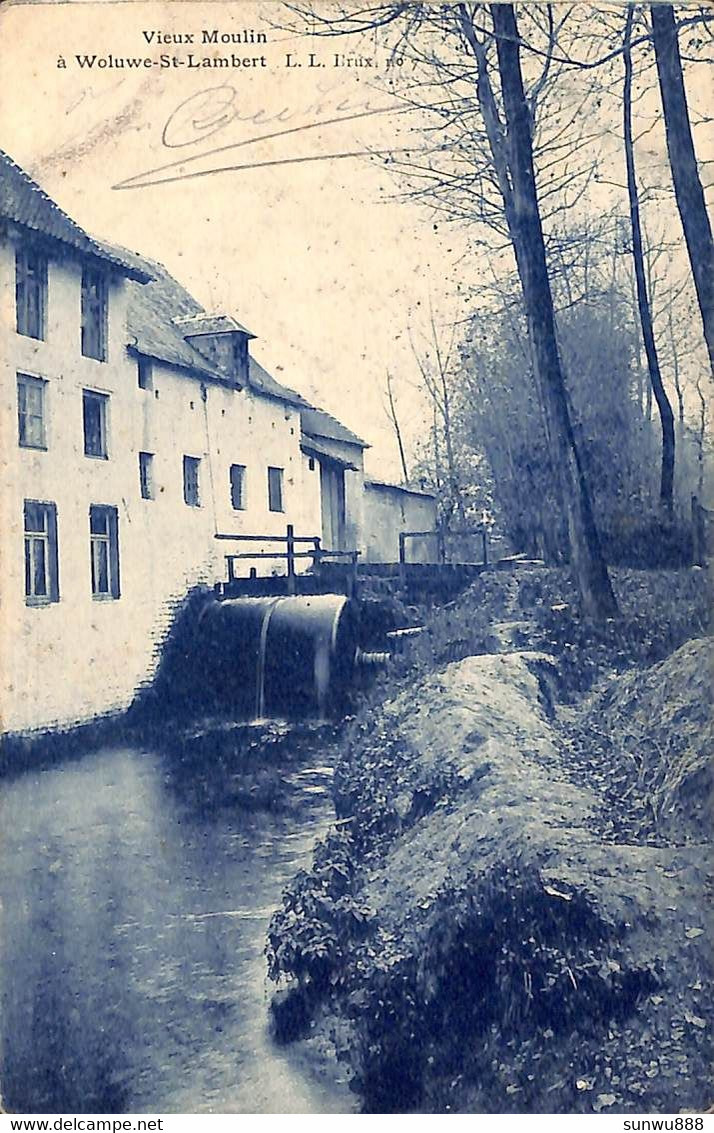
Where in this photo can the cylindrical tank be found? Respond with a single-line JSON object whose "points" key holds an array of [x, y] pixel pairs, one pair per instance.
{"points": [[291, 656]]}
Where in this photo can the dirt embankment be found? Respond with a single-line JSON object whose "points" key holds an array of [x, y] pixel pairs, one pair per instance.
{"points": [[488, 929]]}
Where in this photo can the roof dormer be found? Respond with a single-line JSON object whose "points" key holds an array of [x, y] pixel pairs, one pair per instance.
{"points": [[221, 339]]}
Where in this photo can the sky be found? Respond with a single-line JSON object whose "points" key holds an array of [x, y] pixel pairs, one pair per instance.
{"points": [[315, 257], [256, 214]]}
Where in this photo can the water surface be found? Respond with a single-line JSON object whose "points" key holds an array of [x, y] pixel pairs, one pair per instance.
{"points": [[136, 891]]}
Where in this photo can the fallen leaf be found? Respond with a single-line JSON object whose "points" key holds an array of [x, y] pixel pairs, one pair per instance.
{"points": [[552, 892], [695, 1020], [693, 933], [603, 1101]]}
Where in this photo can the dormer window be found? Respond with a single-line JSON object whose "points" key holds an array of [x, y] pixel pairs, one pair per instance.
{"points": [[240, 357], [145, 372], [222, 341]]}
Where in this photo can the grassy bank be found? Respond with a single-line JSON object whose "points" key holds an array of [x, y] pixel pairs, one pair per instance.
{"points": [[508, 915]]}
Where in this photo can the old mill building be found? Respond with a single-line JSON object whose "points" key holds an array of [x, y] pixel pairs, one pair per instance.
{"points": [[135, 427]]}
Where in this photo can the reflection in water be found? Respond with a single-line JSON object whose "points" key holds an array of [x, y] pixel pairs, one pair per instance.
{"points": [[135, 899]]}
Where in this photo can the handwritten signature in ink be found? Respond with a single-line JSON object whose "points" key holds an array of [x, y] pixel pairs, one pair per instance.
{"points": [[210, 111]]}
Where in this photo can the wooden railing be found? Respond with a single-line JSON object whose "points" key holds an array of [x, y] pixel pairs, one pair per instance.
{"points": [[440, 535], [290, 555]]}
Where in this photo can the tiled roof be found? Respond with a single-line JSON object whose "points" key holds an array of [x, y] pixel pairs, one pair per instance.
{"points": [[24, 202], [159, 313], [152, 309], [263, 382], [319, 447], [314, 422], [384, 486], [210, 324], [319, 423]]}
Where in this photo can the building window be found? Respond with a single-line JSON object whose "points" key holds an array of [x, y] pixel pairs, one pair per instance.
{"points": [[31, 411], [94, 314], [145, 369], [191, 495], [146, 475], [240, 357], [94, 415], [275, 489], [30, 292], [238, 486], [104, 550], [41, 560]]}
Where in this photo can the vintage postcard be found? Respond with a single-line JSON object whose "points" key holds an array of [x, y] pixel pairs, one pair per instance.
{"points": [[356, 514]]}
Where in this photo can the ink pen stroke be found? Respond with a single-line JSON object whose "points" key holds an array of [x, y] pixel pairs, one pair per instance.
{"points": [[208, 112]]}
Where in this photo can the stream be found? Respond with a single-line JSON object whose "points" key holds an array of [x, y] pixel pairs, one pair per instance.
{"points": [[135, 890]]}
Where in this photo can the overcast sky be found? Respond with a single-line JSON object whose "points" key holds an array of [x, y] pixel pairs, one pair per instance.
{"points": [[315, 257]]}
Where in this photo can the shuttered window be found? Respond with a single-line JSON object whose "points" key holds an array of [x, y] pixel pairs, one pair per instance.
{"points": [[146, 475], [94, 314], [30, 292], [145, 372], [31, 411], [191, 487], [104, 551], [238, 486], [275, 489], [94, 420], [41, 553]]}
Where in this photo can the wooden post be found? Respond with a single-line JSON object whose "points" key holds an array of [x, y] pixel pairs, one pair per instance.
{"points": [[291, 558], [698, 534], [440, 545], [352, 585], [402, 558], [484, 541], [316, 554]]}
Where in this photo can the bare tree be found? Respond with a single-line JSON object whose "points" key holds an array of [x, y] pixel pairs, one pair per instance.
{"points": [[435, 368], [700, 435], [391, 409], [512, 151], [666, 494], [685, 171], [489, 178]]}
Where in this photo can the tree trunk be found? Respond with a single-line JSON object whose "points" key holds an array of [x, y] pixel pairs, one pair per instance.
{"points": [[682, 158], [666, 487], [587, 560], [397, 429]]}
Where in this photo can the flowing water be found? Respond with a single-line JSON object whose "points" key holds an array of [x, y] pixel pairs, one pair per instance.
{"points": [[136, 890]]}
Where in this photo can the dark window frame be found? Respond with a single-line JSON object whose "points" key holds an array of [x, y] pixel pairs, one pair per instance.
{"points": [[276, 486], [31, 293], [192, 481], [145, 372], [94, 319], [104, 565], [99, 449], [40, 531], [240, 357], [146, 475], [237, 477], [26, 383]]}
